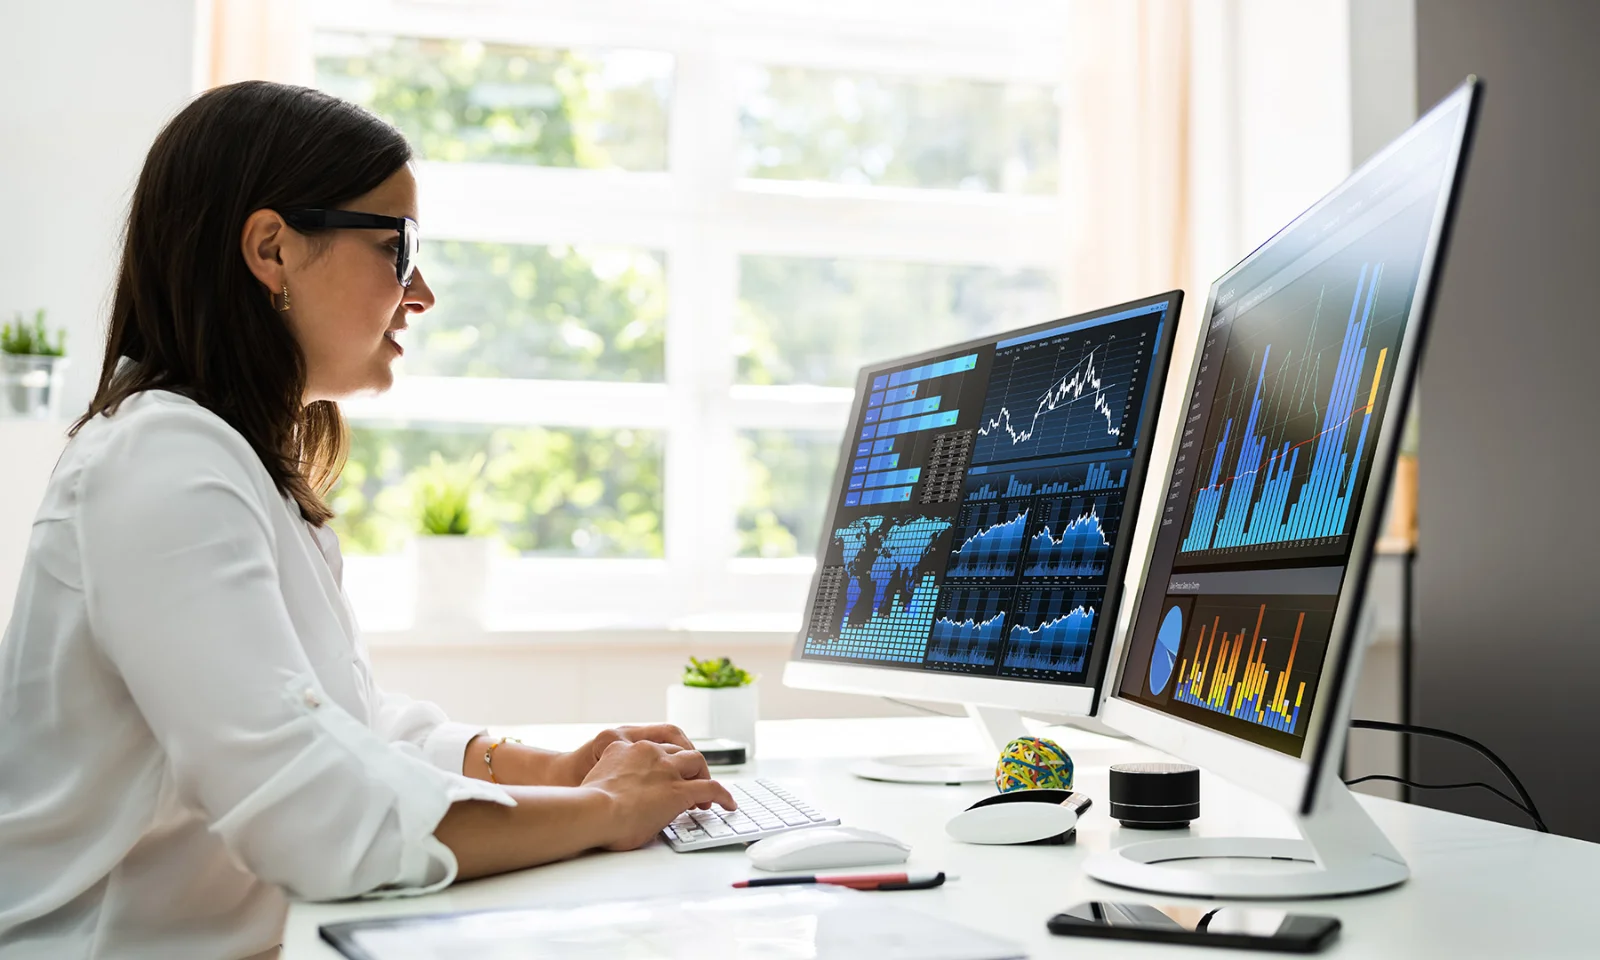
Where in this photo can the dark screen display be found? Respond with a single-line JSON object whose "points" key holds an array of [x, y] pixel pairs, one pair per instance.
{"points": [[1292, 387], [983, 504]]}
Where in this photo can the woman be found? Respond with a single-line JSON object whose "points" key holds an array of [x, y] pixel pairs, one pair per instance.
{"points": [[189, 728]]}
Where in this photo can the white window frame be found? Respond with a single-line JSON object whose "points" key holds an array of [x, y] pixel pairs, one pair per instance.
{"points": [[703, 217]]}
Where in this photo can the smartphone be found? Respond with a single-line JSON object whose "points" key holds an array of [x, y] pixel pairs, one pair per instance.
{"points": [[1245, 928]]}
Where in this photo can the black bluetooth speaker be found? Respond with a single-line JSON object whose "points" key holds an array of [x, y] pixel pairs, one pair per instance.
{"points": [[1155, 796]]}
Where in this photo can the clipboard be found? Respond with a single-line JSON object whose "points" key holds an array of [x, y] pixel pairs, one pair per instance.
{"points": [[770, 924]]}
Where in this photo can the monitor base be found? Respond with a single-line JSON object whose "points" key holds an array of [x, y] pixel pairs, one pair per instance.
{"points": [[999, 726], [1343, 852]]}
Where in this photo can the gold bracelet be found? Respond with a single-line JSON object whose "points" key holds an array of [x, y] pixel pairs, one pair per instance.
{"points": [[488, 756]]}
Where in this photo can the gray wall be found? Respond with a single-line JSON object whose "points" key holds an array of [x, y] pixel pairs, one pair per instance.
{"points": [[1508, 645]]}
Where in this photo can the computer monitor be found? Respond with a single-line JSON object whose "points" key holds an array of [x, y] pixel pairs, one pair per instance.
{"points": [[1249, 621], [977, 531]]}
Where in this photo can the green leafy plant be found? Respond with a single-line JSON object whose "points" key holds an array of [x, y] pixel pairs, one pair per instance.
{"points": [[20, 337], [447, 495], [715, 673]]}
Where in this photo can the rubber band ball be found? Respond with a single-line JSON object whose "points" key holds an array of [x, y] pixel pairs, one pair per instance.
{"points": [[1033, 763]]}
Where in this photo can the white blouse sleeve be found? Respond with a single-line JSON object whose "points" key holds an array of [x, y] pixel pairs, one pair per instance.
{"points": [[399, 718], [180, 580]]}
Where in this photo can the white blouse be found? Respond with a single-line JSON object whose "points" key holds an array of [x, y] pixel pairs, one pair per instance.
{"points": [[190, 733]]}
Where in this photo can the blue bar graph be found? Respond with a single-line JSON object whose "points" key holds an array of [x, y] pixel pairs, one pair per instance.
{"points": [[901, 394], [894, 428], [1252, 506], [886, 495], [892, 478], [929, 371], [1076, 478]]}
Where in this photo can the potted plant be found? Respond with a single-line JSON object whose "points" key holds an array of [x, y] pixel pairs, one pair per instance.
{"points": [[714, 698], [31, 369], [452, 555]]}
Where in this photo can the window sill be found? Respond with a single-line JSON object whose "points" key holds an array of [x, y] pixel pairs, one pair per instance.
{"points": [[737, 630]]}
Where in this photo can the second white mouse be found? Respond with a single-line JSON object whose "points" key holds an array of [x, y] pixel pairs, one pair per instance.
{"points": [[822, 848], [1025, 816]]}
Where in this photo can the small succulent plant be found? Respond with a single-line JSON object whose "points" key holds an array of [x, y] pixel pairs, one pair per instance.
{"points": [[715, 673]]}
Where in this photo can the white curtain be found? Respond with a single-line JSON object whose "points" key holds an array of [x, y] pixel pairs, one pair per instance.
{"points": [[1126, 150], [259, 40]]}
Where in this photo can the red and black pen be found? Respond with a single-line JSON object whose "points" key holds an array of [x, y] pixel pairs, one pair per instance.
{"points": [[859, 881]]}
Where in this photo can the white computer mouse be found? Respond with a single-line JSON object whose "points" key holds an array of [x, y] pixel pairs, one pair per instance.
{"points": [[1023, 816], [823, 848]]}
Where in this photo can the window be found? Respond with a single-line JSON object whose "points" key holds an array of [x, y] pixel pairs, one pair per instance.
{"points": [[664, 235]]}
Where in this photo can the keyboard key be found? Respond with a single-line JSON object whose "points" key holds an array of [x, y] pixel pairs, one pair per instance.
{"points": [[794, 819], [717, 828]]}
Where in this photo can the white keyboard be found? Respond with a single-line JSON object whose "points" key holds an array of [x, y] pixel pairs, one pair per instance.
{"points": [[765, 809]]}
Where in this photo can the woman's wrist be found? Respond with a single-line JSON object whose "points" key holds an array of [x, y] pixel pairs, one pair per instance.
{"points": [[514, 763]]}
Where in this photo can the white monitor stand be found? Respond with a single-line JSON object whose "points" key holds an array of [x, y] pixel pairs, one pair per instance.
{"points": [[1000, 726], [1342, 852]]}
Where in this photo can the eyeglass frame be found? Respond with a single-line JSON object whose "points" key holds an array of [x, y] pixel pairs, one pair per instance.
{"points": [[405, 258]]}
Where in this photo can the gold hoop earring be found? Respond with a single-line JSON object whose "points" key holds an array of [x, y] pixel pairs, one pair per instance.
{"points": [[284, 306]]}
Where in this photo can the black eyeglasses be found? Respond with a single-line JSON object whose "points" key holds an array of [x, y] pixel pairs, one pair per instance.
{"points": [[405, 258]]}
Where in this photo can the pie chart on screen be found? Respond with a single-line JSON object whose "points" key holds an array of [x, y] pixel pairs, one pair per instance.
{"points": [[1165, 658]]}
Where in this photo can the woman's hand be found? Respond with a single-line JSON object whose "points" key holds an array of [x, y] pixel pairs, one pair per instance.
{"points": [[648, 785], [572, 768], [516, 764]]}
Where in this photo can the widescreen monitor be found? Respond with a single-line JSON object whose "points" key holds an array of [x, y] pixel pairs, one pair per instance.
{"points": [[1246, 631], [978, 528]]}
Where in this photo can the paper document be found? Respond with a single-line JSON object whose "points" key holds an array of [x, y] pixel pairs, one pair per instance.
{"points": [[787, 924]]}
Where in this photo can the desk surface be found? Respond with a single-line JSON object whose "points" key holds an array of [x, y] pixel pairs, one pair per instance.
{"points": [[1478, 889]]}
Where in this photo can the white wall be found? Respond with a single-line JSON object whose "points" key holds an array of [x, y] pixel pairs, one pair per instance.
{"points": [[84, 87]]}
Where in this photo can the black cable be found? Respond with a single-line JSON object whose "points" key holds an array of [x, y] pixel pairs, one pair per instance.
{"points": [[1452, 786], [1527, 803]]}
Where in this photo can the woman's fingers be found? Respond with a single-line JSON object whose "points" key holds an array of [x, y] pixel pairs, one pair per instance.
{"points": [[703, 792], [658, 732], [690, 765]]}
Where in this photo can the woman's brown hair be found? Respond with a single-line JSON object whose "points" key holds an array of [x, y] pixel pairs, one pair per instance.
{"points": [[188, 311]]}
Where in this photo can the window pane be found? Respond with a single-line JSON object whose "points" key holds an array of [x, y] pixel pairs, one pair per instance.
{"points": [[785, 479], [803, 320], [950, 134], [551, 313], [563, 492], [463, 100]]}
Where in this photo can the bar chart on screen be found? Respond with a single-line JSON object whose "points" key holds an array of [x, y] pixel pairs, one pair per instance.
{"points": [[1253, 659], [1294, 431]]}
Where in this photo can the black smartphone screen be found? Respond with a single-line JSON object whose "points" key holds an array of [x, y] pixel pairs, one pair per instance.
{"points": [[1249, 928]]}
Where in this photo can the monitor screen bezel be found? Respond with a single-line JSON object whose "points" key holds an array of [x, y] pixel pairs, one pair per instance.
{"points": [[1014, 692], [1293, 781]]}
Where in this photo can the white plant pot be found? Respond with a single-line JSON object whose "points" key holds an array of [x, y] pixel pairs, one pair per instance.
{"points": [[715, 712], [31, 386], [452, 581]]}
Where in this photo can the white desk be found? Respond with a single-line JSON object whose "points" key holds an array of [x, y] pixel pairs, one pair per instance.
{"points": [[1478, 889]]}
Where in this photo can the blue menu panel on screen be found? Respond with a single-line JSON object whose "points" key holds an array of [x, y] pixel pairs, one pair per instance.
{"points": [[980, 519]]}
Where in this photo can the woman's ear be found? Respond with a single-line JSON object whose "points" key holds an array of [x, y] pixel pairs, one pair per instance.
{"points": [[261, 242]]}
